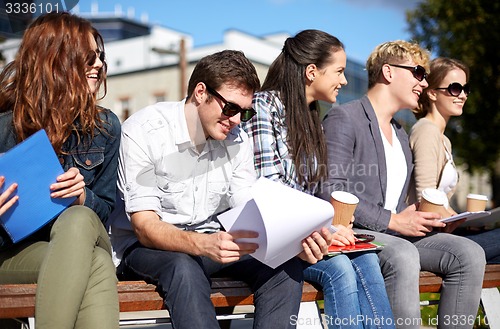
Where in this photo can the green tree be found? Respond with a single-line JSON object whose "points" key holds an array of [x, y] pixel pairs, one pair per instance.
{"points": [[469, 30]]}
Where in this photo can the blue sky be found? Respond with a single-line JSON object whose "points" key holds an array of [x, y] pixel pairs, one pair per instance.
{"points": [[359, 24]]}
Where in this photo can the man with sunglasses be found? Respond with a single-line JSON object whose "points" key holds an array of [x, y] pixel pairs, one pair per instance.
{"points": [[369, 155], [182, 163]]}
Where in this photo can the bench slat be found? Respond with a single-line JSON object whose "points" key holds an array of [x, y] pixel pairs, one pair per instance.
{"points": [[430, 282], [18, 300], [492, 276]]}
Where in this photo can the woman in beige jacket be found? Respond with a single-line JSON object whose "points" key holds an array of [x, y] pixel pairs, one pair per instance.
{"points": [[434, 167]]}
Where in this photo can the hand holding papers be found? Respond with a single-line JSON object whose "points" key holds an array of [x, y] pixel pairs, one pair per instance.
{"points": [[282, 216], [34, 166]]}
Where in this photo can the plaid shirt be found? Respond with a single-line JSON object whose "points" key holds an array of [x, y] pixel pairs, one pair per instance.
{"points": [[268, 133]]}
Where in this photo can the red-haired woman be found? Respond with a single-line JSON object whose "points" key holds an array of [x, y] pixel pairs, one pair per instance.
{"points": [[52, 84]]}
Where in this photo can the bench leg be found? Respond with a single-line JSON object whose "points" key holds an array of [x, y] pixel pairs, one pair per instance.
{"points": [[309, 316], [14, 323], [490, 299], [31, 323]]}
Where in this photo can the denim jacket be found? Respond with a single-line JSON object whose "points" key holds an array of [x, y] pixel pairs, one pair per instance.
{"points": [[97, 162]]}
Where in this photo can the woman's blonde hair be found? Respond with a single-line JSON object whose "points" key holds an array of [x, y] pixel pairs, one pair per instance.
{"points": [[394, 52]]}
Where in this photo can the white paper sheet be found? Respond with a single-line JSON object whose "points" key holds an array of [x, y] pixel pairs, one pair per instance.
{"points": [[282, 216]]}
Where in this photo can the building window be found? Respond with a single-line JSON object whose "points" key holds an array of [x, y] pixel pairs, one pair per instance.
{"points": [[125, 107], [159, 97]]}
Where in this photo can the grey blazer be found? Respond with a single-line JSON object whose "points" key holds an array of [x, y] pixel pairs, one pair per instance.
{"points": [[356, 161]]}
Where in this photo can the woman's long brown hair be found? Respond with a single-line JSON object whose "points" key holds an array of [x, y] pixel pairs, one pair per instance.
{"points": [[46, 85], [305, 137]]}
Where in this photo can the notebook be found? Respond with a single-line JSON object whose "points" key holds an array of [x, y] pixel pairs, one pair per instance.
{"points": [[357, 247], [34, 166]]}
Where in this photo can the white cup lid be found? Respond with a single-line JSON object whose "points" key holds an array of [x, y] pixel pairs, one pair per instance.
{"points": [[345, 197], [477, 196], [435, 196]]}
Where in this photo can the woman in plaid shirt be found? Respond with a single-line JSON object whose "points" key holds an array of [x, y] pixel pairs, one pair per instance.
{"points": [[289, 146]]}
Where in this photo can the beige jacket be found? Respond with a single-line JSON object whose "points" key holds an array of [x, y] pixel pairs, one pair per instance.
{"points": [[429, 155]]}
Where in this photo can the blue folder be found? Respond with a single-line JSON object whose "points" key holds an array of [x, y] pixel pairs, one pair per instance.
{"points": [[34, 166]]}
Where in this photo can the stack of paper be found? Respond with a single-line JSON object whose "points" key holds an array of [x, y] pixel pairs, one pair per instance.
{"points": [[282, 216]]}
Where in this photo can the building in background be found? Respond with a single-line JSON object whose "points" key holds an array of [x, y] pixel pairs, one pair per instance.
{"points": [[155, 65], [148, 63]]}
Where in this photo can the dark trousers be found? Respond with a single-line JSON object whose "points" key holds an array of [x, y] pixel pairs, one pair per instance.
{"points": [[184, 281]]}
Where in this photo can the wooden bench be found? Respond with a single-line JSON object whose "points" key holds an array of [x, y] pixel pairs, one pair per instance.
{"points": [[18, 300], [430, 282]]}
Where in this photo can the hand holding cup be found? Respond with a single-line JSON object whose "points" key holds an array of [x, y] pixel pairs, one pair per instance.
{"points": [[434, 200]]}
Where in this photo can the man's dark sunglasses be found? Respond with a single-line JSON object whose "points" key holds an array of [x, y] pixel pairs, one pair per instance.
{"points": [[455, 89], [230, 109], [417, 71], [93, 56]]}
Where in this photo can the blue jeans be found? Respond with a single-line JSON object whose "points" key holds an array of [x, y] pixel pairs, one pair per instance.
{"points": [[489, 240], [458, 260], [184, 282], [354, 291]]}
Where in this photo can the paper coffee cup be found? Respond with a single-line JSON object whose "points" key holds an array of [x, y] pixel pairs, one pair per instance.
{"points": [[476, 202], [344, 204], [434, 200]]}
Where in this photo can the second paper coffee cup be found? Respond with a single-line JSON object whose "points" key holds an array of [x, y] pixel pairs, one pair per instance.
{"points": [[434, 200], [344, 204], [476, 202]]}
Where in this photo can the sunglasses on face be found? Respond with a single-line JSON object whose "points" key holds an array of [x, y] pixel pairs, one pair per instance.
{"points": [[93, 56], [417, 71], [230, 109], [455, 89]]}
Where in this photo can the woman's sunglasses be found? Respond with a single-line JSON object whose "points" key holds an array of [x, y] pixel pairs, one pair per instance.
{"points": [[418, 71], [455, 89], [231, 109], [93, 56]]}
